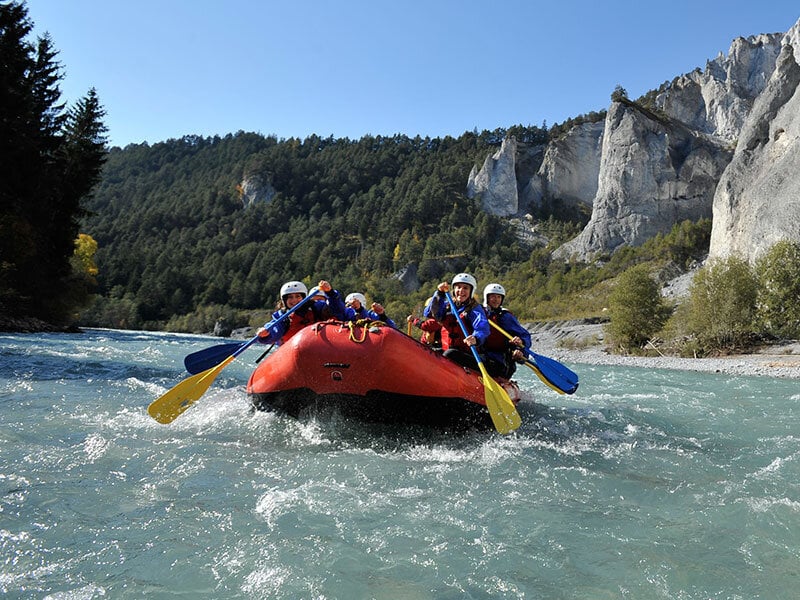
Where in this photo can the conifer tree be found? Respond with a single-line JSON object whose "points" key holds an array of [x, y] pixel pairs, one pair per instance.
{"points": [[49, 161]]}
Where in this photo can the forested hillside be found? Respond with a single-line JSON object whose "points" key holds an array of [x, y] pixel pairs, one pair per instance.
{"points": [[174, 235]]}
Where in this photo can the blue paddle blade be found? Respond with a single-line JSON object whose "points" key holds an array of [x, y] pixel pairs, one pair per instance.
{"points": [[550, 371], [556, 373], [204, 359]]}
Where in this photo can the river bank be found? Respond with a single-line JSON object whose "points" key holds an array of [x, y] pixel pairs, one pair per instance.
{"points": [[32, 325], [582, 342], [577, 341]]}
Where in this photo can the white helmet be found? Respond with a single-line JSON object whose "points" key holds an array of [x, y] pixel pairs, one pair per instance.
{"points": [[465, 278], [293, 287], [493, 288], [356, 296]]}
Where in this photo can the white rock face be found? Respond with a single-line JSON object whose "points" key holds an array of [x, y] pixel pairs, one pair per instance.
{"points": [[757, 202], [256, 189], [717, 101], [497, 181], [644, 170], [659, 168], [654, 173], [569, 171]]}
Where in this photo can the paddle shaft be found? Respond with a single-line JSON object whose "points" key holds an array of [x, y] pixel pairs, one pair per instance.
{"points": [[463, 327], [263, 354], [557, 376], [169, 406], [502, 411]]}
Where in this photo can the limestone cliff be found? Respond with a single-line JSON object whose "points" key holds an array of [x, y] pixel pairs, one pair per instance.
{"points": [[654, 172], [255, 188], [662, 166], [757, 202], [569, 171], [717, 100], [660, 160], [496, 181]]}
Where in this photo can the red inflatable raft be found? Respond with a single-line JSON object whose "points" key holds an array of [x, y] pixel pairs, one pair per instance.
{"points": [[372, 372]]}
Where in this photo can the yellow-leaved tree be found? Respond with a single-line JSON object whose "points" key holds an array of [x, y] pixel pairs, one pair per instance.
{"points": [[79, 290], [83, 257]]}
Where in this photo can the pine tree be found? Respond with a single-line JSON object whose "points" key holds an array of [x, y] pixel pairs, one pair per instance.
{"points": [[84, 145], [49, 162]]}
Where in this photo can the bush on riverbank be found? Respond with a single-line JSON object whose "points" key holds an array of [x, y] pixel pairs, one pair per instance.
{"points": [[731, 307], [778, 303], [636, 308]]}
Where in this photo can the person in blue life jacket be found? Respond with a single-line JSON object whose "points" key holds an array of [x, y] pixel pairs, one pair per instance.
{"points": [[456, 346], [502, 354], [327, 305], [356, 310]]}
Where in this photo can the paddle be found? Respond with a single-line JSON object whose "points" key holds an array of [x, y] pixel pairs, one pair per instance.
{"points": [[202, 360], [503, 412], [557, 376], [169, 407], [538, 373], [264, 353]]}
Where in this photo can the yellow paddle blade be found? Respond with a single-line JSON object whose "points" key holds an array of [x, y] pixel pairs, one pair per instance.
{"points": [[170, 406], [536, 370], [502, 410]]}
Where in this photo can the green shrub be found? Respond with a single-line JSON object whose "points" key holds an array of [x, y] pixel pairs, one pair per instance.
{"points": [[636, 308], [722, 305], [677, 339], [778, 305]]}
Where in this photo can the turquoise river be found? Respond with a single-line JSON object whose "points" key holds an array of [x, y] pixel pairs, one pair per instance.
{"points": [[644, 484]]}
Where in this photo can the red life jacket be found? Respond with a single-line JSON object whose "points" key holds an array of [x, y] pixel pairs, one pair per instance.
{"points": [[455, 337], [496, 342], [297, 322]]}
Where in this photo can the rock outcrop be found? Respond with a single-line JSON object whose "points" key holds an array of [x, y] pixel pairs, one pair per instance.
{"points": [[660, 160], [254, 189], [496, 181], [757, 202], [222, 328], [717, 101], [407, 276], [654, 172], [662, 166], [569, 172]]}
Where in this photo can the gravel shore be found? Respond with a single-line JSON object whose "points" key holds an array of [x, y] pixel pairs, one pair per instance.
{"points": [[581, 342]]}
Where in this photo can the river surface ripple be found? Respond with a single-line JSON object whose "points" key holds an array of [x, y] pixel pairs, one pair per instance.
{"points": [[644, 484]]}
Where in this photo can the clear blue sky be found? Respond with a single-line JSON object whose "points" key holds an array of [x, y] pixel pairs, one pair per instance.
{"points": [[168, 68]]}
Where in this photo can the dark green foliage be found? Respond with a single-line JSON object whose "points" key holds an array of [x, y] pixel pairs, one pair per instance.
{"points": [[175, 235], [619, 94], [636, 308], [778, 273], [49, 162], [684, 245]]}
